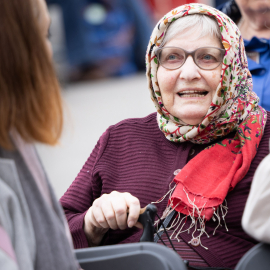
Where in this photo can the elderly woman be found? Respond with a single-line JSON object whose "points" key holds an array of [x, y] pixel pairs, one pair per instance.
{"points": [[196, 155]]}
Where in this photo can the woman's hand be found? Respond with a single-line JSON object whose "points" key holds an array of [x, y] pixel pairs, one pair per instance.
{"points": [[110, 212]]}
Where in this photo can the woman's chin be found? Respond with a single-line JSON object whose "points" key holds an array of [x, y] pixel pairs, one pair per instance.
{"points": [[193, 122], [193, 115]]}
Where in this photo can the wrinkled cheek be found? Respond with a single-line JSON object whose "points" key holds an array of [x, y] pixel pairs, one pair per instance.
{"points": [[214, 74], [215, 80], [171, 82], [167, 96], [166, 81]]}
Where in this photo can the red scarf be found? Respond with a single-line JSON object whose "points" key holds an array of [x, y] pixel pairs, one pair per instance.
{"points": [[204, 182]]}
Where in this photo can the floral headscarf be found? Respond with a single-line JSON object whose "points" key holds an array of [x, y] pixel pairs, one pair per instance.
{"points": [[203, 183], [234, 98]]}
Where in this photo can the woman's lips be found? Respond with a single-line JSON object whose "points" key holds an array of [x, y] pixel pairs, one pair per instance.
{"points": [[192, 93]]}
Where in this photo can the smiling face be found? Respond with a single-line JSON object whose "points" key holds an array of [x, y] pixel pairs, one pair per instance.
{"points": [[187, 92]]}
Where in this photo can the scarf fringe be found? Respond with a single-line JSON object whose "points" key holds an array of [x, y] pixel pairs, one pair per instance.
{"points": [[197, 226], [167, 210]]}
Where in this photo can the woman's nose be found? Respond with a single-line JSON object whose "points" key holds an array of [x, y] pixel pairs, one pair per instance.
{"points": [[189, 71]]}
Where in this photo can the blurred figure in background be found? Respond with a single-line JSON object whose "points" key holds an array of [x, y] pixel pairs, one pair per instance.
{"points": [[253, 20], [220, 2], [105, 38], [160, 7], [33, 230]]}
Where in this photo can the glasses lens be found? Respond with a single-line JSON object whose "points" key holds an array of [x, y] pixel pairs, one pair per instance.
{"points": [[208, 58], [171, 58]]}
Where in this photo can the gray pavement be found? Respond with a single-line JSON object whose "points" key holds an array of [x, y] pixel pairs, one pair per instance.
{"points": [[90, 108]]}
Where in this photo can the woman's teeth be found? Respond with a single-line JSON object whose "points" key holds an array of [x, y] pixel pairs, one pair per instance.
{"points": [[185, 94]]}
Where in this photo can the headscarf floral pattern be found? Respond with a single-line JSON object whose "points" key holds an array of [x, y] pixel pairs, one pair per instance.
{"points": [[234, 99]]}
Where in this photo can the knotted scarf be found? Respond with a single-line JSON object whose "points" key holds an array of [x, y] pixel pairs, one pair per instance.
{"points": [[203, 183]]}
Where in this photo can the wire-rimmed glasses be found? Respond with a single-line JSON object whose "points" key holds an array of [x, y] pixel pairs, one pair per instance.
{"points": [[207, 58]]}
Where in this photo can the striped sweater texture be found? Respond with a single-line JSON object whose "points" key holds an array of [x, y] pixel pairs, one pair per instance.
{"points": [[134, 156]]}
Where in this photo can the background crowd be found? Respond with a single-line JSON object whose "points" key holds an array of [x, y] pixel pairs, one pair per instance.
{"points": [[112, 32]]}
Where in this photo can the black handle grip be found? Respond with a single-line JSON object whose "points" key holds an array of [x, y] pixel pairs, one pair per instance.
{"points": [[147, 220]]}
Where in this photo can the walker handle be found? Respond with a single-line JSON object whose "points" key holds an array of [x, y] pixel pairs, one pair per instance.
{"points": [[147, 218]]}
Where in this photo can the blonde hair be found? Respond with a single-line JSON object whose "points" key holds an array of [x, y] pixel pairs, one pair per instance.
{"points": [[30, 98]]}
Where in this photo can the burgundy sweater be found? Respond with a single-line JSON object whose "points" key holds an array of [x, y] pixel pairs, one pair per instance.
{"points": [[134, 156]]}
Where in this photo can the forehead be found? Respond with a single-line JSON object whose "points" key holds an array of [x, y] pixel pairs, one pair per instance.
{"points": [[189, 42]]}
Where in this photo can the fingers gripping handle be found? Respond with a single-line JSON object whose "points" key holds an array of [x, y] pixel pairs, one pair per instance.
{"points": [[147, 218]]}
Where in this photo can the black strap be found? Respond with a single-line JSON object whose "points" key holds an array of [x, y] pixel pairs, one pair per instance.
{"points": [[165, 223]]}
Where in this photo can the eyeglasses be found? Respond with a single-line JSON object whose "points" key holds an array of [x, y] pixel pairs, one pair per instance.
{"points": [[205, 58]]}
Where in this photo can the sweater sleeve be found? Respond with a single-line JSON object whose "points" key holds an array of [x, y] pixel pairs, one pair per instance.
{"points": [[83, 191], [256, 219]]}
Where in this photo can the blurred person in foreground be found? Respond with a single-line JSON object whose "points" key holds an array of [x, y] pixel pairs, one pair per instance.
{"points": [[253, 20], [33, 234], [256, 217], [197, 154]]}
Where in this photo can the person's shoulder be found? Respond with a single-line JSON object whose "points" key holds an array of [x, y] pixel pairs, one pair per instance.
{"points": [[10, 203], [8, 176], [7, 193], [15, 220], [10, 186], [7, 253]]}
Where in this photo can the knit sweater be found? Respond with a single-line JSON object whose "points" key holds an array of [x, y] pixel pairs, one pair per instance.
{"points": [[134, 156]]}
